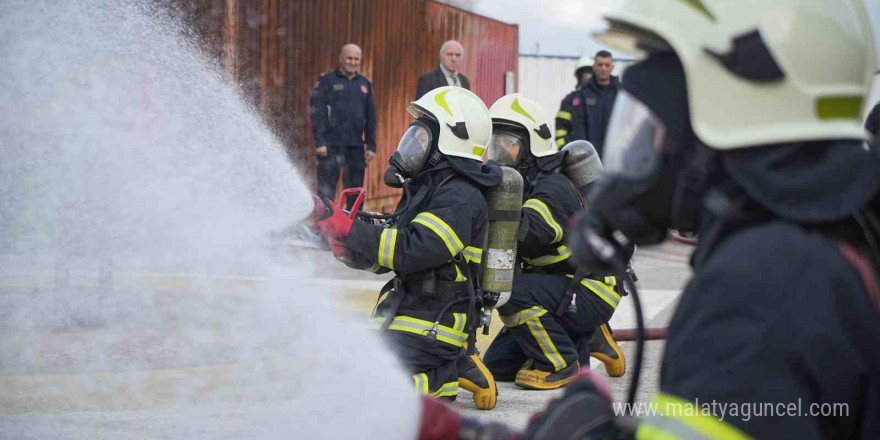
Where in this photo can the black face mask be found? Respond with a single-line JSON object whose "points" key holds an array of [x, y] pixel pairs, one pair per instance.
{"points": [[417, 146]]}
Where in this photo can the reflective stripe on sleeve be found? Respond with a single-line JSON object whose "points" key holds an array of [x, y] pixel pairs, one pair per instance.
{"points": [[563, 254], [560, 142], [386, 247], [544, 211], [561, 132], [564, 115], [442, 230], [473, 254]]}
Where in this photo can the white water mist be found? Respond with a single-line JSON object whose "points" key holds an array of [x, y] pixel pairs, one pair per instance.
{"points": [[140, 293]]}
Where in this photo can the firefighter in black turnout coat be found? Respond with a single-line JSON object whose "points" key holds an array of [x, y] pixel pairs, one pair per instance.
{"points": [[433, 244], [731, 127], [552, 321]]}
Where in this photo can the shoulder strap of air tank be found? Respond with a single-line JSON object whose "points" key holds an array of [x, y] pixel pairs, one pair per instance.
{"points": [[472, 316]]}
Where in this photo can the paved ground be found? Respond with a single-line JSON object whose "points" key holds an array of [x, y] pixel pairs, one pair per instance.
{"points": [[662, 270]]}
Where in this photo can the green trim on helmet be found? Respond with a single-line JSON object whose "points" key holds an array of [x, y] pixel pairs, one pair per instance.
{"points": [[518, 109], [701, 7], [839, 107], [478, 150], [440, 99]]}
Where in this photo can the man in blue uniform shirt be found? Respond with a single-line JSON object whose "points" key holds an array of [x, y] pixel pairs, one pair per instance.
{"points": [[343, 123]]}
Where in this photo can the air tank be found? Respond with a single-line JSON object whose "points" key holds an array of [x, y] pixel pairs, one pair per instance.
{"points": [[582, 165], [499, 255]]}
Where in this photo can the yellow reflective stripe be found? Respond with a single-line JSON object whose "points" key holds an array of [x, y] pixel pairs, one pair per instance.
{"points": [[458, 275], [564, 115], [522, 316], [679, 418], [460, 321], [563, 254], [473, 254], [611, 281], [448, 389], [602, 290], [560, 142], [478, 150], [544, 211], [547, 347], [442, 230], [561, 132], [387, 241], [421, 383], [421, 327]]}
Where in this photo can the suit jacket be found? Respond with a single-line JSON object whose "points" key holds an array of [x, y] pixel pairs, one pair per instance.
{"points": [[436, 79]]}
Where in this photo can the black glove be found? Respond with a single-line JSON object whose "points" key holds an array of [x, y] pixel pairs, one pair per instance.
{"points": [[584, 412], [596, 248]]}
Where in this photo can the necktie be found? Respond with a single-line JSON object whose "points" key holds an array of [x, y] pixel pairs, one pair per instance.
{"points": [[454, 80]]}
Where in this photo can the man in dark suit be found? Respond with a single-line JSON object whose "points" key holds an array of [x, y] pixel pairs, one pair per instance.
{"points": [[446, 74]]}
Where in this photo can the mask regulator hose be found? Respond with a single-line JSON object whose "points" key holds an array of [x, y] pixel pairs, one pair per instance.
{"points": [[610, 252]]}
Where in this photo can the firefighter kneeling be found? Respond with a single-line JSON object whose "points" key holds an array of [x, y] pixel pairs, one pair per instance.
{"points": [[556, 317], [433, 243]]}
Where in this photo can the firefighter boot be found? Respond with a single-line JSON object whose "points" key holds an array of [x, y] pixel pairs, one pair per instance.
{"points": [[604, 348], [535, 379], [476, 378]]}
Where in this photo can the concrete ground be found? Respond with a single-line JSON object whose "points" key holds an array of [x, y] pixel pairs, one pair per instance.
{"points": [[663, 271]]}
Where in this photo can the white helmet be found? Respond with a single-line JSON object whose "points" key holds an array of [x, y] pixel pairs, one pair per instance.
{"points": [[760, 72], [521, 112], [465, 126], [584, 61]]}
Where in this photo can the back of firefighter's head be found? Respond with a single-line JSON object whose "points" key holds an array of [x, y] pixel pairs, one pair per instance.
{"points": [[721, 76], [450, 121], [583, 69], [520, 134]]}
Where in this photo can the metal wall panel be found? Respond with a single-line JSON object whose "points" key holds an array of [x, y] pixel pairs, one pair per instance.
{"points": [[548, 79], [275, 50]]}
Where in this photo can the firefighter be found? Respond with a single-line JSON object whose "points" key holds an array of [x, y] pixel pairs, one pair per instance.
{"points": [[542, 329], [733, 127], [433, 244], [564, 130], [584, 114]]}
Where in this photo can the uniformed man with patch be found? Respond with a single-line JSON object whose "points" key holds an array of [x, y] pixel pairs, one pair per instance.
{"points": [[343, 115]]}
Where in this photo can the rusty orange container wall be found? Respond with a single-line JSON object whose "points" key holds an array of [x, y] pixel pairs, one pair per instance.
{"points": [[275, 50]]}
